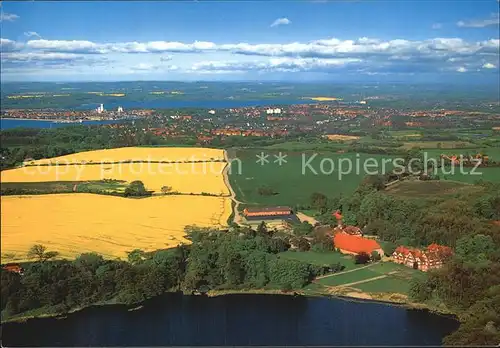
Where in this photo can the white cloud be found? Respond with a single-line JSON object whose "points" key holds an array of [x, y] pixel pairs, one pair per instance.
{"points": [[325, 48], [166, 58], [31, 34], [274, 65], [8, 17], [75, 46], [120, 47], [437, 26], [461, 69], [480, 23], [7, 45], [145, 67], [281, 21], [35, 57], [489, 66]]}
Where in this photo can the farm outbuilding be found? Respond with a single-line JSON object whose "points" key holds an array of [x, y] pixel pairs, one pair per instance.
{"points": [[268, 211], [279, 217]]}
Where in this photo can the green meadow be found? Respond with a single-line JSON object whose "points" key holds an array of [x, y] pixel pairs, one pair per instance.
{"points": [[303, 173]]}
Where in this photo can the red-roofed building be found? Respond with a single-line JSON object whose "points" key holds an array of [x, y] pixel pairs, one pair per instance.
{"points": [[338, 216], [353, 230], [13, 267], [433, 257], [352, 244]]}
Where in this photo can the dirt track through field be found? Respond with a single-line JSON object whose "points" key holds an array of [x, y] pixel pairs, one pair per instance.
{"points": [[237, 217], [365, 280], [344, 272]]}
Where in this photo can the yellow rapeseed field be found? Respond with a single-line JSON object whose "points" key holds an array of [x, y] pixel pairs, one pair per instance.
{"points": [[182, 177], [324, 98], [139, 154], [341, 137], [75, 223]]}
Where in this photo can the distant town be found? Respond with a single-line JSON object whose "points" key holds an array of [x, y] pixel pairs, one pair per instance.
{"points": [[270, 121]]}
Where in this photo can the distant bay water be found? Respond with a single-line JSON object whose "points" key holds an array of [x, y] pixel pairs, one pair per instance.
{"points": [[271, 320], [154, 104], [11, 123]]}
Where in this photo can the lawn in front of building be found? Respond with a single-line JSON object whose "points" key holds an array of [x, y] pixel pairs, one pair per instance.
{"points": [[326, 258]]}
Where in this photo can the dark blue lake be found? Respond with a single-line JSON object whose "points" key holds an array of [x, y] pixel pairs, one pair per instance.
{"points": [[270, 320], [9, 124]]}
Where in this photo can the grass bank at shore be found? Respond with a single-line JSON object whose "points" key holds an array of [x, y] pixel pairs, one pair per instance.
{"points": [[382, 298]]}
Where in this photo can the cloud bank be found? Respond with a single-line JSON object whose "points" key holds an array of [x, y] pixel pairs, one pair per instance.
{"points": [[363, 55]]}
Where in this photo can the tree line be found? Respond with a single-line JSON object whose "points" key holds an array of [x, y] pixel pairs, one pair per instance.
{"points": [[240, 259]]}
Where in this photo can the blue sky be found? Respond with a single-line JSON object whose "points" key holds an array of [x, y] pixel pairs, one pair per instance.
{"points": [[257, 40]]}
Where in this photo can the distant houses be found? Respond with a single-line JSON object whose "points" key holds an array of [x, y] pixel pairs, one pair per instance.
{"points": [[466, 159], [431, 258]]}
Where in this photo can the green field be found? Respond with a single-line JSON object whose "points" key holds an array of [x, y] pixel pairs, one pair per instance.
{"points": [[321, 258], [294, 182], [487, 174], [350, 277], [304, 146], [396, 282], [418, 188], [444, 145], [405, 134]]}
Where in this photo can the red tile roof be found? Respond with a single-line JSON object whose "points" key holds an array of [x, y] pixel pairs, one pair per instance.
{"points": [[434, 251], [13, 268], [355, 244], [337, 215]]}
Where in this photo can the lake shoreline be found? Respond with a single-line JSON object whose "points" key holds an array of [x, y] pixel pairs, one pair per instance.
{"points": [[56, 120], [218, 293], [352, 297]]}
